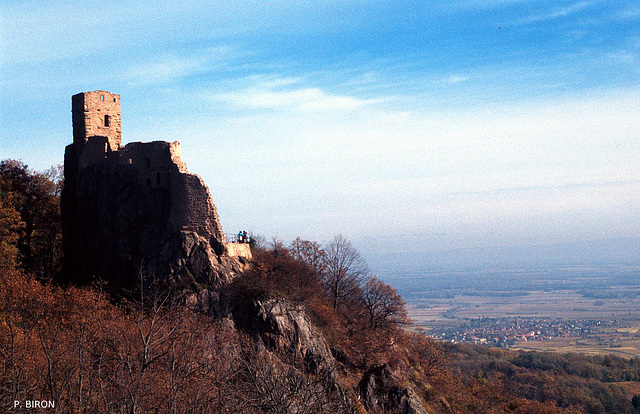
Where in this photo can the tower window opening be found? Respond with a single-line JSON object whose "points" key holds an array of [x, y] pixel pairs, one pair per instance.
{"points": [[107, 120], [102, 97], [149, 181], [148, 162], [158, 178]]}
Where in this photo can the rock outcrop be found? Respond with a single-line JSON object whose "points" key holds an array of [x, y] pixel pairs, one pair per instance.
{"points": [[283, 329], [382, 392], [284, 326], [132, 214]]}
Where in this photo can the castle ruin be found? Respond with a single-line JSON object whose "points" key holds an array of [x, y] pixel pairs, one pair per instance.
{"points": [[135, 210]]}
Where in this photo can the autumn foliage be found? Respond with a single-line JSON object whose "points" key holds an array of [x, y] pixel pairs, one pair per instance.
{"points": [[75, 347], [30, 226]]}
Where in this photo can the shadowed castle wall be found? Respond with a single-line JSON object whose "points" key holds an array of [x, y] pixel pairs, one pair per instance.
{"points": [[133, 209]]}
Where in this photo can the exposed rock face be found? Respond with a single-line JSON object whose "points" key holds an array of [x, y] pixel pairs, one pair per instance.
{"points": [[283, 328], [281, 325], [134, 210], [382, 392]]}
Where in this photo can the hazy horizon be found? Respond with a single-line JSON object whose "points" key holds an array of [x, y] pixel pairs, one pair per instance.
{"points": [[589, 255], [416, 130]]}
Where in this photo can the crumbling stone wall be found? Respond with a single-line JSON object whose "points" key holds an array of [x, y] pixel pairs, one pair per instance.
{"points": [[135, 210]]}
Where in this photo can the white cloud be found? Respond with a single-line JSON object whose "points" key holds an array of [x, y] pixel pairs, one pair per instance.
{"points": [[456, 79], [279, 93], [366, 78], [622, 56], [482, 4], [556, 13], [164, 71], [171, 68], [565, 11], [272, 83]]}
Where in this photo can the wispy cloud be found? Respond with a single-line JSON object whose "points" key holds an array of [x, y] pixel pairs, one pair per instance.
{"points": [[555, 13], [456, 79], [483, 4], [173, 67], [630, 13], [283, 93], [622, 56]]}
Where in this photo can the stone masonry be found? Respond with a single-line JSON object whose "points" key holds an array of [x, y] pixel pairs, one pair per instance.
{"points": [[134, 210], [97, 114]]}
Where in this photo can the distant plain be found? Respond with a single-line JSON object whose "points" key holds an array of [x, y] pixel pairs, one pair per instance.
{"points": [[440, 301]]}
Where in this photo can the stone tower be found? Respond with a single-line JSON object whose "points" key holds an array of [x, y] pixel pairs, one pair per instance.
{"points": [[97, 114], [134, 209]]}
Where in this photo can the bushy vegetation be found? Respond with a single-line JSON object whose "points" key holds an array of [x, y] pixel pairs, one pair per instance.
{"points": [[571, 380], [341, 297], [30, 224]]}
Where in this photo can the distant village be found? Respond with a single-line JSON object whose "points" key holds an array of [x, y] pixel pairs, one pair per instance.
{"points": [[506, 332]]}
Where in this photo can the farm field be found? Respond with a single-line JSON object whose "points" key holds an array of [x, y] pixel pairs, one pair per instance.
{"points": [[620, 346], [585, 310], [555, 304]]}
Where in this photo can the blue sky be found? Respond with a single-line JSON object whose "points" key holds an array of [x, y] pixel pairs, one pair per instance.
{"points": [[438, 125]]}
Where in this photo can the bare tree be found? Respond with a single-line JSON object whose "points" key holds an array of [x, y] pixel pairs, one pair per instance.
{"points": [[257, 241], [309, 252], [276, 382], [344, 271], [277, 247], [383, 304]]}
